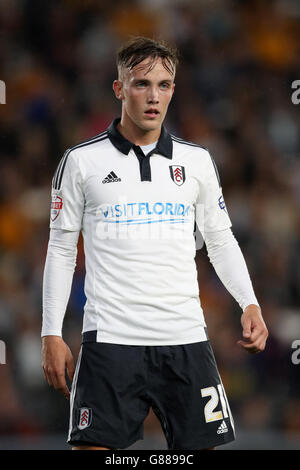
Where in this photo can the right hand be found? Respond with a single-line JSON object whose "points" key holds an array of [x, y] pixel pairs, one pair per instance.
{"points": [[56, 358]]}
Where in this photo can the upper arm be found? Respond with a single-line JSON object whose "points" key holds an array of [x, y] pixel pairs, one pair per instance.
{"points": [[67, 205], [211, 211]]}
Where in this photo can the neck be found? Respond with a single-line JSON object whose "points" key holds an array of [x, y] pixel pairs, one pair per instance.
{"points": [[135, 134]]}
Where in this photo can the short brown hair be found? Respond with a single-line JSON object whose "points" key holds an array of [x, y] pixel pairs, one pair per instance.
{"points": [[139, 48]]}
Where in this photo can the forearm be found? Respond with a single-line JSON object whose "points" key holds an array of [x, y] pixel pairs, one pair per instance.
{"points": [[57, 280], [229, 263]]}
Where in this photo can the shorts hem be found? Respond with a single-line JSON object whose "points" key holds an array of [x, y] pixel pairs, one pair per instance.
{"points": [[204, 444], [80, 442]]}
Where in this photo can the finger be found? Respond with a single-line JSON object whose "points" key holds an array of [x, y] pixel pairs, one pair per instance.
{"points": [[259, 340], [259, 332], [244, 344], [262, 344], [249, 348], [62, 387], [47, 375], [59, 383], [47, 379], [255, 347], [255, 335], [70, 368]]}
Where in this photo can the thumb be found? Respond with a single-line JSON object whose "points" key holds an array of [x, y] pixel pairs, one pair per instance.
{"points": [[247, 329]]}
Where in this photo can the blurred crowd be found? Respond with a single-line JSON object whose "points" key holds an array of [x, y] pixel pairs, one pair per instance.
{"points": [[233, 96]]}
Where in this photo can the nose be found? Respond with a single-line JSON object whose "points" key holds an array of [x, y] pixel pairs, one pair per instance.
{"points": [[153, 95]]}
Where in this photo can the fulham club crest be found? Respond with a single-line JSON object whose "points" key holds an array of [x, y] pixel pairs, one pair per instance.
{"points": [[177, 174], [85, 418]]}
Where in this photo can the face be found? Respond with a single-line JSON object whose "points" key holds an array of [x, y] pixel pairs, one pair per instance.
{"points": [[145, 94]]}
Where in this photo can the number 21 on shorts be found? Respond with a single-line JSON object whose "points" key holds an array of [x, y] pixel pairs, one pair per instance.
{"points": [[211, 405]]}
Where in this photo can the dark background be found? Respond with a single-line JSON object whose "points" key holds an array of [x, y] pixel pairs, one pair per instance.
{"points": [[233, 96]]}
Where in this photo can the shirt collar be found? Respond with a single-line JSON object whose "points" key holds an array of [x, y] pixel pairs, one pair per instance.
{"points": [[164, 145]]}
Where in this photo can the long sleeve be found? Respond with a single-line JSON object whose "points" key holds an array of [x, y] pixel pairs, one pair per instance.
{"points": [[57, 280], [229, 263]]}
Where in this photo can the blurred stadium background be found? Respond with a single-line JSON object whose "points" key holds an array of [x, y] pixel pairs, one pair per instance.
{"points": [[233, 95]]}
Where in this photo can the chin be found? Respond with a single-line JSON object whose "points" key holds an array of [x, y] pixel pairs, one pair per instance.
{"points": [[150, 125]]}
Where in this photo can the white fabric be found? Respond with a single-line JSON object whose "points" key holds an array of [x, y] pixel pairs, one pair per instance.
{"points": [[141, 278], [223, 251], [228, 261], [57, 280]]}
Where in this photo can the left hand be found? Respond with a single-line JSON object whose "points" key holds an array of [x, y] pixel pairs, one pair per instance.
{"points": [[255, 332]]}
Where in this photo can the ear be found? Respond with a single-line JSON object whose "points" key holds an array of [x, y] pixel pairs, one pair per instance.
{"points": [[118, 89]]}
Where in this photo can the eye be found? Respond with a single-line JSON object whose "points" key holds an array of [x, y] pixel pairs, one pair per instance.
{"points": [[140, 84], [165, 85]]}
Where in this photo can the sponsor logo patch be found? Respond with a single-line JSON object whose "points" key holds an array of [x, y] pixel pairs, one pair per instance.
{"points": [[56, 206], [85, 418]]}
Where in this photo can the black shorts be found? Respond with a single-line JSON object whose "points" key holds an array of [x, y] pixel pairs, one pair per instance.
{"points": [[115, 385]]}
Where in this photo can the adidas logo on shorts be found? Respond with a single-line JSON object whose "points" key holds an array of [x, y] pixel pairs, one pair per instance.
{"points": [[222, 428], [111, 178]]}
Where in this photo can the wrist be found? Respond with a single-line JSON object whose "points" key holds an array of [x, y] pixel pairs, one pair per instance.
{"points": [[252, 307], [53, 338], [253, 310]]}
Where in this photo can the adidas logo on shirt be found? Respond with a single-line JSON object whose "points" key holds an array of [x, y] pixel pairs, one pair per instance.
{"points": [[111, 178], [222, 428]]}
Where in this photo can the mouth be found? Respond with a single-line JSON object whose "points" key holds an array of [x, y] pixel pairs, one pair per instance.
{"points": [[152, 113]]}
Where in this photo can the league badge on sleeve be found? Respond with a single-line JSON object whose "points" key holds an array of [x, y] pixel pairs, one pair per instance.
{"points": [[177, 174], [56, 206]]}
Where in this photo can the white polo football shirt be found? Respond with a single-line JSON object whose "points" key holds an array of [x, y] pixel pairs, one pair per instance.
{"points": [[137, 214]]}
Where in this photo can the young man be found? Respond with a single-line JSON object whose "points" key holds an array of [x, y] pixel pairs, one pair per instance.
{"points": [[136, 191]]}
